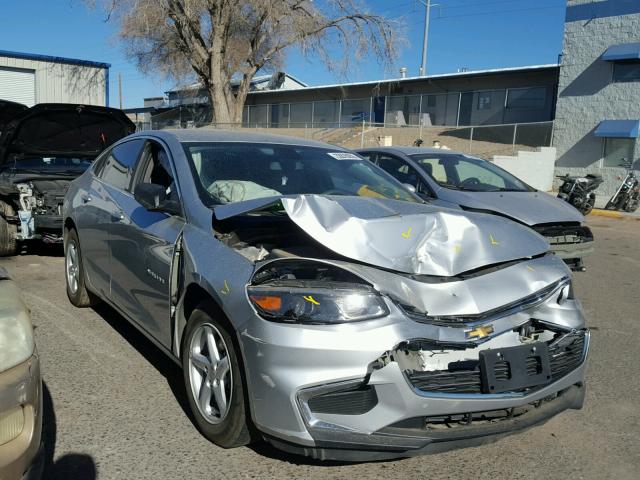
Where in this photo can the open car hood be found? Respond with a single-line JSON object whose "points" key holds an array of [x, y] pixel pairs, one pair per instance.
{"points": [[406, 237], [9, 111], [63, 129]]}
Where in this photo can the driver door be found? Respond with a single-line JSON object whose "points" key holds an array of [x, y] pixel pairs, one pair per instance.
{"points": [[142, 248]]}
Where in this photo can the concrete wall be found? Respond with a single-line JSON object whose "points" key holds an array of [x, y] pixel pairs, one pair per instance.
{"points": [[534, 168], [64, 83], [586, 93]]}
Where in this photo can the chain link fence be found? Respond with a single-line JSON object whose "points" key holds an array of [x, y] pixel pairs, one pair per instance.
{"points": [[483, 141]]}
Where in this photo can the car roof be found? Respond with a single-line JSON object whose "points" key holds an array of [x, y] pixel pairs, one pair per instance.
{"points": [[410, 150], [235, 136]]}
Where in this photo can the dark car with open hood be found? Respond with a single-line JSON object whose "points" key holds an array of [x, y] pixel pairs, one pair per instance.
{"points": [[42, 149]]}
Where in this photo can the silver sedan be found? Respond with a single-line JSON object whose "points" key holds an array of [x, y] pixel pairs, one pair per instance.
{"points": [[312, 301]]}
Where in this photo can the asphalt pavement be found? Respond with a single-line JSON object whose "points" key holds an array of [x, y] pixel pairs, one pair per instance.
{"points": [[115, 407]]}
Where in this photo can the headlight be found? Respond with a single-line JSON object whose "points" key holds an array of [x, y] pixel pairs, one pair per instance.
{"points": [[315, 304], [16, 333]]}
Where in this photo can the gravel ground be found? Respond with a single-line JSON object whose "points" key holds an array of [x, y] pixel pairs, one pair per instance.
{"points": [[115, 408]]}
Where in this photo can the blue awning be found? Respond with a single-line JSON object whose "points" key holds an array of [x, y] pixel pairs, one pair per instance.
{"points": [[624, 51], [618, 129]]}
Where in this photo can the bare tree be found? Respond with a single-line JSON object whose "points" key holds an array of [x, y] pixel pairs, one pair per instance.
{"points": [[224, 40]]}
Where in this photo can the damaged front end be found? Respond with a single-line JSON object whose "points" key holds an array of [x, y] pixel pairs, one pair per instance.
{"points": [[463, 331]]}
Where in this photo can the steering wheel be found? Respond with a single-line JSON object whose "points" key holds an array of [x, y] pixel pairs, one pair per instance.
{"points": [[470, 182], [336, 191]]}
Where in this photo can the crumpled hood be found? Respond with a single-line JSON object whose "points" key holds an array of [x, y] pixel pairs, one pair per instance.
{"points": [[530, 208], [407, 237], [63, 129]]}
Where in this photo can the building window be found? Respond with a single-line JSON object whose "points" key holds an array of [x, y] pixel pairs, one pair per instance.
{"points": [[616, 150], [484, 101], [626, 72], [527, 98]]}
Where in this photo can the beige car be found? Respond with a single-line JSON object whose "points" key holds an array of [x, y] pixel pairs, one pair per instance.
{"points": [[21, 451]]}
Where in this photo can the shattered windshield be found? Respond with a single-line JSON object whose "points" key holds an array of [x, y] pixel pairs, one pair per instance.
{"points": [[236, 172], [459, 172]]}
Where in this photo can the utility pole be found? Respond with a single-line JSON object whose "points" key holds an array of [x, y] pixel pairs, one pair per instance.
{"points": [[427, 15], [120, 89]]}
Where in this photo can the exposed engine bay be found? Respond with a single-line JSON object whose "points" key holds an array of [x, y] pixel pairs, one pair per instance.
{"points": [[40, 209]]}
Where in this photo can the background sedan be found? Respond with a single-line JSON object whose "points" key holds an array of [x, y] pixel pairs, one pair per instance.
{"points": [[477, 185]]}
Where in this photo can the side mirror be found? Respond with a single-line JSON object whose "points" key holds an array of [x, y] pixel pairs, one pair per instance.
{"points": [[409, 187], [154, 198]]}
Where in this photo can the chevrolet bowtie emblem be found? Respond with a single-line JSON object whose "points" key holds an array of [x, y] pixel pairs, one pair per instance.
{"points": [[479, 332]]}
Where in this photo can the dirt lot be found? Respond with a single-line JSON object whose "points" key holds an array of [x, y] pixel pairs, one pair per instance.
{"points": [[115, 409]]}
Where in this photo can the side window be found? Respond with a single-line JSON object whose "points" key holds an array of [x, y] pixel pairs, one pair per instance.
{"points": [[155, 167], [368, 155], [397, 168], [119, 164], [434, 169]]}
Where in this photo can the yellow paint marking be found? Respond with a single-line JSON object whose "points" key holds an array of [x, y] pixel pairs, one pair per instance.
{"points": [[310, 299], [530, 268], [225, 290], [493, 240], [407, 234], [457, 248]]}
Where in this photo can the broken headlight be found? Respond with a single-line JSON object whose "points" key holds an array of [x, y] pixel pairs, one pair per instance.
{"points": [[317, 304]]}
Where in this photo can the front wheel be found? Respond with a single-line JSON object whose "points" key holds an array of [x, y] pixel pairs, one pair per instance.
{"points": [[214, 381], [74, 273]]}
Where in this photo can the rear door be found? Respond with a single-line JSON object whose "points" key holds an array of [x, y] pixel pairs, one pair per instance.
{"points": [[142, 245], [98, 209]]}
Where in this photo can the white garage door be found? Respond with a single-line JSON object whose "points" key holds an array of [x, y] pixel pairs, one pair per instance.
{"points": [[18, 86]]}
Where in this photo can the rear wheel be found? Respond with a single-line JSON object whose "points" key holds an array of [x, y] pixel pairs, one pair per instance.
{"points": [[8, 231], [74, 273], [214, 380]]}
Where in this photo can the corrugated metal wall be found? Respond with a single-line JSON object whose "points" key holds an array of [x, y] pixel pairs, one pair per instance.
{"points": [[62, 83]]}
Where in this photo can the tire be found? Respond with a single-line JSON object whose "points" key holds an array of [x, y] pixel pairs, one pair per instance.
{"points": [[8, 232], [228, 428], [73, 268], [588, 206]]}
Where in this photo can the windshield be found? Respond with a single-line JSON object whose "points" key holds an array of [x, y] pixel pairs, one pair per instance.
{"points": [[53, 164], [235, 172], [459, 172]]}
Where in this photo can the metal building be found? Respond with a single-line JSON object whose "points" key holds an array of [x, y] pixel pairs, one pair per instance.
{"points": [[29, 79]]}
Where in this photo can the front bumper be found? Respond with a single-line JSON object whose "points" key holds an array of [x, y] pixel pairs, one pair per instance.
{"points": [[292, 373], [21, 388], [394, 442]]}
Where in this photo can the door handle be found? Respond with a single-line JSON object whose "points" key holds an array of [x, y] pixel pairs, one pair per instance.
{"points": [[86, 198]]}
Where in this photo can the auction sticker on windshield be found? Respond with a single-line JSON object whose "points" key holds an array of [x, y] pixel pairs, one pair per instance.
{"points": [[344, 156]]}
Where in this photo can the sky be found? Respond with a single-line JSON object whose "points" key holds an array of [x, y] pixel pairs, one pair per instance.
{"points": [[472, 34]]}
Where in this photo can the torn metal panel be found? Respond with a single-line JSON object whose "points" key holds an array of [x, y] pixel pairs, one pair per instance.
{"points": [[411, 238]]}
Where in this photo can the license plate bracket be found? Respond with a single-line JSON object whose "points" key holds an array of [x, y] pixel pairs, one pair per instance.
{"points": [[514, 368]]}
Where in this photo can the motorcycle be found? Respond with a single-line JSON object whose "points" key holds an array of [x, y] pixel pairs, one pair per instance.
{"points": [[627, 197], [580, 191]]}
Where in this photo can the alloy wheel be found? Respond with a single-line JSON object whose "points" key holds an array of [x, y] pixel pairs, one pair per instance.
{"points": [[210, 374], [72, 267]]}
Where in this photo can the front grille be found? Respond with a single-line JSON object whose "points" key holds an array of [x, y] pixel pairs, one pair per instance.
{"points": [[562, 234], [565, 355]]}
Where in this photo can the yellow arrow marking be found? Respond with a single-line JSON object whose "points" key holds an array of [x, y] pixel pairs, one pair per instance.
{"points": [[493, 240], [310, 299], [407, 234], [225, 290]]}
